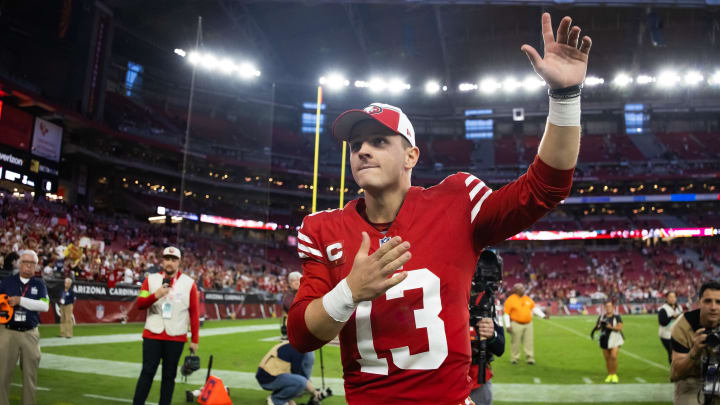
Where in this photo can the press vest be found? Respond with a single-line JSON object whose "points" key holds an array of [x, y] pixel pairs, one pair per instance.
{"points": [[665, 331], [179, 297]]}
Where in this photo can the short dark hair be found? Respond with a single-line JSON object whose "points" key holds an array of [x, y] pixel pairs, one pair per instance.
{"points": [[709, 285]]}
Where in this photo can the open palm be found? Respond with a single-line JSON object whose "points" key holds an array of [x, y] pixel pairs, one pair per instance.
{"points": [[564, 65]]}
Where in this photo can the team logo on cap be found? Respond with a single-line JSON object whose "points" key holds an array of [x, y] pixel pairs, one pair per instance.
{"points": [[373, 109]]}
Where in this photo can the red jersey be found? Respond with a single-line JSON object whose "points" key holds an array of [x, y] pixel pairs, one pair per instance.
{"points": [[412, 345]]}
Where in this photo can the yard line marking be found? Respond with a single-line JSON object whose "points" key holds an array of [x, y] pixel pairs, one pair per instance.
{"points": [[137, 337], [536, 380], [623, 351], [127, 401], [641, 380], [37, 388], [587, 380], [538, 393]]}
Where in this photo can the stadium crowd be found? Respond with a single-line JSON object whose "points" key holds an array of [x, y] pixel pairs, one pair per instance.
{"points": [[76, 242]]}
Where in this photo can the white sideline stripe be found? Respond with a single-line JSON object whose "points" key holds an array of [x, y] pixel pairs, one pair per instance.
{"points": [[587, 380], [310, 250], [477, 206], [623, 351], [470, 179], [640, 380], [583, 393], [476, 189], [304, 238], [137, 337], [536, 380], [127, 401], [37, 388], [555, 393], [236, 379]]}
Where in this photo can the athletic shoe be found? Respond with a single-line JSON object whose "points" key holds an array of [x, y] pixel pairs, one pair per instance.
{"points": [[513, 362], [609, 378], [531, 362], [615, 379]]}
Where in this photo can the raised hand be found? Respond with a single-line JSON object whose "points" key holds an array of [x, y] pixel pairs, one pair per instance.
{"points": [[370, 274], [564, 64]]}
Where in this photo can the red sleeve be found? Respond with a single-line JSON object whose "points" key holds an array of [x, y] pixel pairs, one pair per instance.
{"points": [[194, 314], [145, 302], [498, 215], [315, 283]]}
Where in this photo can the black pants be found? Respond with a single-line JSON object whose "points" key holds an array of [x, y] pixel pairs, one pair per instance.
{"points": [[153, 351], [668, 348]]}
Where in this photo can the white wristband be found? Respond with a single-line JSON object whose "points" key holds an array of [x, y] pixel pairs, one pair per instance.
{"points": [[565, 112], [338, 303]]}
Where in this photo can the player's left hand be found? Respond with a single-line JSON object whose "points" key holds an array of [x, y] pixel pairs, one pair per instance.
{"points": [[14, 301], [194, 347], [486, 328], [563, 65]]}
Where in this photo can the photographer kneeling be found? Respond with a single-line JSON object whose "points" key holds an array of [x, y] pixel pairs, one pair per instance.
{"points": [[695, 346], [286, 372]]}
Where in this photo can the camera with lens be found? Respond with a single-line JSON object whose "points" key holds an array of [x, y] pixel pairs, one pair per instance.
{"points": [[319, 396], [485, 283], [711, 365]]}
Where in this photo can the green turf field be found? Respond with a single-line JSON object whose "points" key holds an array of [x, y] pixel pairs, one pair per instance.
{"points": [[569, 369]]}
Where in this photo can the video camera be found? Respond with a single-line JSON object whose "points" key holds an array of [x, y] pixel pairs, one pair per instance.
{"points": [[319, 396], [711, 366], [485, 283]]}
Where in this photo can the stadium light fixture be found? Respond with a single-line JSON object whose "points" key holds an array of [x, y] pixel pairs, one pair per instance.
{"points": [[396, 86], [693, 78], [179, 52], [532, 83], [510, 84], [376, 85], [194, 57], [432, 87], [226, 66], [644, 79], [209, 61], [334, 81], [467, 86], [714, 80], [489, 85], [247, 71], [592, 81], [668, 79], [622, 80]]}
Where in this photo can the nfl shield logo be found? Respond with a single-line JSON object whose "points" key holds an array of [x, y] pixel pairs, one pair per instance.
{"points": [[384, 240], [99, 311]]}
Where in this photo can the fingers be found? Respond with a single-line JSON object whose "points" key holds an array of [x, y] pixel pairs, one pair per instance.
{"points": [[396, 264], [365, 244], [547, 32], [386, 247], [392, 255], [563, 30], [533, 55], [586, 44], [394, 280], [574, 36]]}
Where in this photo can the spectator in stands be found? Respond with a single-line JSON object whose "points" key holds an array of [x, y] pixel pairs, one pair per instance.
{"points": [[288, 298], [610, 326], [286, 372], [688, 344], [172, 302], [519, 309], [667, 315], [20, 339], [67, 302]]}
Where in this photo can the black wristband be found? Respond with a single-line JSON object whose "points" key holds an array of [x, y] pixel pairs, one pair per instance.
{"points": [[566, 92]]}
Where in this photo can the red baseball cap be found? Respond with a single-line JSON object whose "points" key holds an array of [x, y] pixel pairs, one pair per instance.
{"points": [[390, 116]]}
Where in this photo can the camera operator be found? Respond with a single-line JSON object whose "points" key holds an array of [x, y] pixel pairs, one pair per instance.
{"points": [[286, 372], [611, 338], [486, 333], [693, 346]]}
